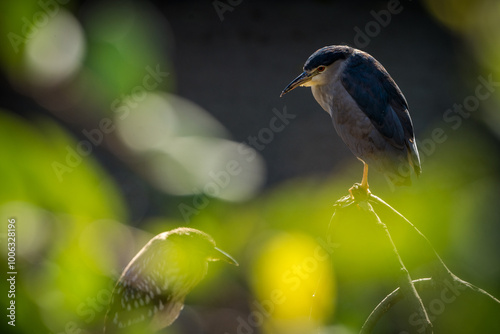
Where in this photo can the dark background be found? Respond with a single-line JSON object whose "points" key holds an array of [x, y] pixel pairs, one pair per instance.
{"points": [[236, 69]]}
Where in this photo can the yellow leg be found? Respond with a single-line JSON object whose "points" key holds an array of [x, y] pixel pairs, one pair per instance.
{"points": [[355, 189], [364, 181]]}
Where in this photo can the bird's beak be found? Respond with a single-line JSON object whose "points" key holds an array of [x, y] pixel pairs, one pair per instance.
{"points": [[298, 81], [220, 255]]}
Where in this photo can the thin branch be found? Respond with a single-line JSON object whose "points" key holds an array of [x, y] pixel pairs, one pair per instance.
{"points": [[389, 301], [341, 203], [441, 276], [475, 288], [420, 284], [407, 287], [378, 200]]}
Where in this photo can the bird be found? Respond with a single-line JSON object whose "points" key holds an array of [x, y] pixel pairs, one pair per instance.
{"points": [[368, 110], [150, 293]]}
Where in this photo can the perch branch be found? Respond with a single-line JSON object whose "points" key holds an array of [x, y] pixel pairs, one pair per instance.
{"points": [[379, 201], [420, 284], [443, 277], [407, 287], [389, 301], [446, 273]]}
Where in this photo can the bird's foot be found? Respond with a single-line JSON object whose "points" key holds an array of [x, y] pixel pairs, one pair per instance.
{"points": [[359, 193]]}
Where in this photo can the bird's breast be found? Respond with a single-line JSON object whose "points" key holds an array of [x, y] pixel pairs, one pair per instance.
{"points": [[350, 122]]}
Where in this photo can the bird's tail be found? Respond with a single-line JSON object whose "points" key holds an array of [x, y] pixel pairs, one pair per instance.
{"points": [[413, 157]]}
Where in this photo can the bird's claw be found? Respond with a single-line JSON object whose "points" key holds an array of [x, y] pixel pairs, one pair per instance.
{"points": [[359, 193]]}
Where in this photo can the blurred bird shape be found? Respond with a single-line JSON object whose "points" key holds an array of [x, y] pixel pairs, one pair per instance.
{"points": [[150, 293], [369, 111]]}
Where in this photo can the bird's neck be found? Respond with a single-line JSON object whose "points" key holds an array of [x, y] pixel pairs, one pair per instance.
{"points": [[324, 100], [324, 93]]}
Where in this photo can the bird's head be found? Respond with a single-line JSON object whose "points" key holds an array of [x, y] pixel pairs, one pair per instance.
{"points": [[199, 245], [319, 66]]}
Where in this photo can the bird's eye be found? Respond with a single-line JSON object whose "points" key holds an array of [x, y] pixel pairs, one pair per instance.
{"points": [[321, 69]]}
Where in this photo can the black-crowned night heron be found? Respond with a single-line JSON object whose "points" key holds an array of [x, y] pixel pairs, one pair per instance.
{"points": [[150, 292], [369, 111]]}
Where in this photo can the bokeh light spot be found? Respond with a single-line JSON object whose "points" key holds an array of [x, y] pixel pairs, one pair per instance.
{"points": [[56, 50], [295, 273]]}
